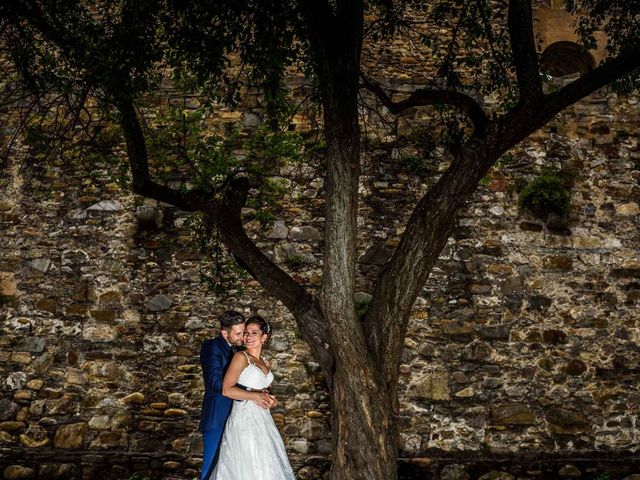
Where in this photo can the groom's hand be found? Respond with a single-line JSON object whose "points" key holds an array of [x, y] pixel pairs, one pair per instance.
{"points": [[264, 401]]}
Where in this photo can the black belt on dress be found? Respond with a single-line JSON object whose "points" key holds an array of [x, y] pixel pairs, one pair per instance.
{"points": [[248, 389]]}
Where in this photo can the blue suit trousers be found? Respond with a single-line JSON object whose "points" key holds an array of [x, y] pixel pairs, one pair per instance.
{"points": [[210, 449]]}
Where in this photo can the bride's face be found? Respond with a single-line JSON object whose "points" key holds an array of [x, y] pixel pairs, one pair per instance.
{"points": [[253, 336]]}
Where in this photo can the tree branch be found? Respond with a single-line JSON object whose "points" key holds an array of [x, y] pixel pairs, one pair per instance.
{"points": [[303, 305], [142, 184], [525, 57], [424, 97], [434, 216], [427, 232], [523, 120], [277, 282], [626, 62]]}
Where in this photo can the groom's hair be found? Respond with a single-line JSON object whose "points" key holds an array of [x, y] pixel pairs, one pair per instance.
{"points": [[230, 318]]}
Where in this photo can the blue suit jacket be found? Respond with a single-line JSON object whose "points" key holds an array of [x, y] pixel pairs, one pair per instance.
{"points": [[215, 356]]}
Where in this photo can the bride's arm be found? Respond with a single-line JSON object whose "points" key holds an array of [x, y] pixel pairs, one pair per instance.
{"points": [[229, 389]]}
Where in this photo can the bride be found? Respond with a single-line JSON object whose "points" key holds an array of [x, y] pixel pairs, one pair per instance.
{"points": [[251, 446]]}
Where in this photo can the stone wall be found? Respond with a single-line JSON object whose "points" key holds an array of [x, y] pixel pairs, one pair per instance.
{"points": [[525, 341], [524, 344]]}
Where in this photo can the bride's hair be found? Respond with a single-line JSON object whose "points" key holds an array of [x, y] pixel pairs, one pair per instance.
{"points": [[265, 326]]}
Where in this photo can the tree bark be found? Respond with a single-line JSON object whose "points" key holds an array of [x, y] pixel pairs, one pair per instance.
{"points": [[364, 435], [363, 425]]}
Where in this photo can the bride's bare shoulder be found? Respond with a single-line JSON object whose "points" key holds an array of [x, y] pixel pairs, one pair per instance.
{"points": [[240, 357]]}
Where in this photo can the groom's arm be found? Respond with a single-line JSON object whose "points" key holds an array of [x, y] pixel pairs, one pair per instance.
{"points": [[212, 361]]}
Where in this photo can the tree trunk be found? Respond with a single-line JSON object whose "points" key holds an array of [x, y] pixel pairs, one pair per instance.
{"points": [[363, 424], [364, 440]]}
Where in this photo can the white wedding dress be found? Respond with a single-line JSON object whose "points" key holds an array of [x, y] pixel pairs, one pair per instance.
{"points": [[251, 446]]}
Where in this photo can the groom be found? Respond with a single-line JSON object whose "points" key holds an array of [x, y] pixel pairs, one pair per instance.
{"points": [[215, 356]]}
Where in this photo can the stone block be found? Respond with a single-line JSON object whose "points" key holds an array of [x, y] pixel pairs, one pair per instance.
{"points": [[194, 323], [43, 363], [554, 337], [70, 436], [29, 442], [111, 297], [40, 264], [431, 386], [309, 473], [47, 305], [494, 332], [468, 392], [279, 231], [16, 380], [557, 262], [628, 209], [5, 205], [136, 398], [174, 412], [18, 472], [106, 440], [99, 422], [456, 327], [105, 206], [570, 471], [496, 475], [35, 437], [512, 414], [575, 367], [59, 471], [564, 421], [8, 285], [500, 269], [539, 302], [313, 429], [32, 344], [171, 465], [159, 303], [8, 409], [11, 426], [150, 217], [103, 315], [305, 233]]}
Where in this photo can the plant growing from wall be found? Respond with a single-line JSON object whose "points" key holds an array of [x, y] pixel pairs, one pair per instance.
{"points": [[546, 194], [294, 261]]}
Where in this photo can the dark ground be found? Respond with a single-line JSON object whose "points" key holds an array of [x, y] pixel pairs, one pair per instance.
{"points": [[110, 466], [604, 467]]}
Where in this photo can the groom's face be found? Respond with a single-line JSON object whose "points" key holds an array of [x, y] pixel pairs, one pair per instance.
{"points": [[234, 335]]}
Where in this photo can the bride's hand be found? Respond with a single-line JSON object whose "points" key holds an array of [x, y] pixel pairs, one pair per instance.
{"points": [[273, 401]]}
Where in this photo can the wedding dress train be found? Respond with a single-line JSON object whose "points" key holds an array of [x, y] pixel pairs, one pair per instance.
{"points": [[251, 446]]}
